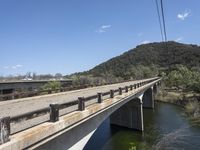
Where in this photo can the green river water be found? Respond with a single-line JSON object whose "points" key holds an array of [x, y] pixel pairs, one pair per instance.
{"points": [[165, 128]]}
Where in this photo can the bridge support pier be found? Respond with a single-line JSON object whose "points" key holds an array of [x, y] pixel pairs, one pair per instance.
{"points": [[155, 89], [148, 99], [130, 115]]}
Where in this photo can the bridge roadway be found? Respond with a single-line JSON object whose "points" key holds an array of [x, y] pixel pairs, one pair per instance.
{"points": [[20, 106], [24, 105]]}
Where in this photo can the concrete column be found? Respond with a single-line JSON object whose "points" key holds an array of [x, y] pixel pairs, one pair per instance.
{"points": [[159, 83], [4, 129], [130, 115], [148, 99], [81, 103], [99, 97], [54, 112], [155, 89]]}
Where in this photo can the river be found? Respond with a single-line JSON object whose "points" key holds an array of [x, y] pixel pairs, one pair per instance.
{"points": [[165, 128]]}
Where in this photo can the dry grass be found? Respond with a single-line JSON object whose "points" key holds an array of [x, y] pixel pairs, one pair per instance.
{"points": [[171, 97], [193, 109]]}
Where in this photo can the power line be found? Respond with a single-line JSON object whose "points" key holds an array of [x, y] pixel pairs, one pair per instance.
{"points": [[163, 28], [163, 19], [158, 12]]}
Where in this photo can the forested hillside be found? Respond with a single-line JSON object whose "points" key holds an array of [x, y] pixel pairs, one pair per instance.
{"points": [[145, 61], [155, 56]]}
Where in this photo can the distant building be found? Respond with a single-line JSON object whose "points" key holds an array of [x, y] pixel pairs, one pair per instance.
{"points": [[9, 87]]}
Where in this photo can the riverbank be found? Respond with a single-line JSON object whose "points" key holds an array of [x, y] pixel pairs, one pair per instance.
{"points": [[190, 101]]}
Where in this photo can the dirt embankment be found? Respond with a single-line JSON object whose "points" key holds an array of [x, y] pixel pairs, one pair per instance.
{"points": [[190, 101], [177, 96]]}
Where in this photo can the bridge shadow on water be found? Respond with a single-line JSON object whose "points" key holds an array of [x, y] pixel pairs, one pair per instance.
{"points": [[104, 135]]}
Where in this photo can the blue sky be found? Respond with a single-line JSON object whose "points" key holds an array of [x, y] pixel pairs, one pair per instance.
{"points": [[66, 36]]}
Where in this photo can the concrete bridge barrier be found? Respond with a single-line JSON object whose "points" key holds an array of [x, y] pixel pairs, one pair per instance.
{"points": [[123, 105]]}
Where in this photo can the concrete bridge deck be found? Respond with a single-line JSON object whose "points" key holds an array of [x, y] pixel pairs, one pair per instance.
{"points": [[24, 105], [48, 131]]}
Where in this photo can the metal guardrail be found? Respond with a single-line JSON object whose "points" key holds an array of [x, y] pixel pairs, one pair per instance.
{"points": [[53, 109]]}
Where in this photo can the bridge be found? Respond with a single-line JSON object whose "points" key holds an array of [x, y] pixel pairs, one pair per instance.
{"points": [[67, 120]]}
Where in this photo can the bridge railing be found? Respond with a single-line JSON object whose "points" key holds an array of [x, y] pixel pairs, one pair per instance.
{"points": [[54, 109], [17, 95]]}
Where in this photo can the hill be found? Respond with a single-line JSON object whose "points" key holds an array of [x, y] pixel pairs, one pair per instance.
{"points": [[149, 57], [144, 61]]}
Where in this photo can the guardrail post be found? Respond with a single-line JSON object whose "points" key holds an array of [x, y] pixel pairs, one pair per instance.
{"points": [[49, 91], [81, 103], [111, 94], [131, 87], [126, 89], [120, 91], [138, 85], [135, 86], [99, 96], [54, 112], [4, 129]]}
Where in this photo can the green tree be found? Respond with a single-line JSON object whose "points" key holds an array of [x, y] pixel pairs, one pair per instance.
{"points": [[184, 78], [52, 85]]}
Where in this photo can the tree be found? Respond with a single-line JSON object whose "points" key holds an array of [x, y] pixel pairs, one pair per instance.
{"points": [[184, 78], [52, 85]]}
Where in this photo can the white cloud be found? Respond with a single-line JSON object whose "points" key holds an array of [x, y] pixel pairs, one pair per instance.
{"points": [[179, 39], [18, 66], [184, 15], [13, 67], [145, 42], [103, 28]]}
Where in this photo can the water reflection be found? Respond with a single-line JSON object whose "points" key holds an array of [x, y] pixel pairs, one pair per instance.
{"points": [[166, 128]]}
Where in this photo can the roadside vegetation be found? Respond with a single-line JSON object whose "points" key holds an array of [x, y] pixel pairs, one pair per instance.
{"points": [[181, 86], [52, 85]]}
